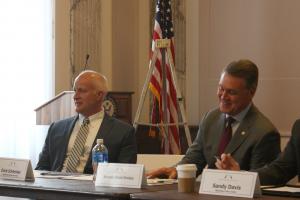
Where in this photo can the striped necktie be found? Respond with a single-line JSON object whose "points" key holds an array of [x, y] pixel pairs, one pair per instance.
{"points": [[78, 147]]}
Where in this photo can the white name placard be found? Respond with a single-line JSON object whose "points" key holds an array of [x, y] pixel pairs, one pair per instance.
{"points": [[120, 175], [230, 183], [16, 169]]}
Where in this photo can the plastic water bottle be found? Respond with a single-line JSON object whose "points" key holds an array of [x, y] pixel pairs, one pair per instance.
{"points": [[99, 155]]}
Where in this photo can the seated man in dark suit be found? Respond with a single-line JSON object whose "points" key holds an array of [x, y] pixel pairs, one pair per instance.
{"points": [[61, 152], [255, 141], [281, 170]]}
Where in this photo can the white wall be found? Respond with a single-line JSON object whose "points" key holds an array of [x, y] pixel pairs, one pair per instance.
{"points": [[267, 32]]}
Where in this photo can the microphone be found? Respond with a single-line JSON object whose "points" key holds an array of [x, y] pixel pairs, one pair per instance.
{"points": [[86, 61]]}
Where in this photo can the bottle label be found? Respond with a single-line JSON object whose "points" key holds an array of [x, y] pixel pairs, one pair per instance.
{"points": [[100, 158]]}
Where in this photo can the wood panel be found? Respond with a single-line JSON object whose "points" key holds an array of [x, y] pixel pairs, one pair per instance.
{"points": [[85, 33], [152, 144]]}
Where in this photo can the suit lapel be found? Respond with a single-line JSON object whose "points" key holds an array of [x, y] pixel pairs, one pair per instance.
{"points": [[242, 132], [69, 129], [105, 127], [219, 129], [104, 130], [67, 133]]}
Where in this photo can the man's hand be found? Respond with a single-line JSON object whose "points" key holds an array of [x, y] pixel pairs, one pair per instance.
{"points": [[168, 172], [227, 162]]}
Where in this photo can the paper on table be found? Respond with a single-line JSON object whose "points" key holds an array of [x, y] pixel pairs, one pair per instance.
{"points": [[62, 175], [283, 189], [158, 181]]}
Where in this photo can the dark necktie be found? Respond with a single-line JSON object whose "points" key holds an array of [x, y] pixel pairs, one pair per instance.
{"points": [[77, 149], [226, 136]]}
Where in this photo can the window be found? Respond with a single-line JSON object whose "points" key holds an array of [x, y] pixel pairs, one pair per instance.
{"points": [[26, 74]]}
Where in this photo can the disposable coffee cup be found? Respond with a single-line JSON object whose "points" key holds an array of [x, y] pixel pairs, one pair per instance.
{"points": [[186, 174]]}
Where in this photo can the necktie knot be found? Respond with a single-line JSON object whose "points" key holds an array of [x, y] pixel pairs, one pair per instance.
{"points": [[86, 121], [229, 121]]}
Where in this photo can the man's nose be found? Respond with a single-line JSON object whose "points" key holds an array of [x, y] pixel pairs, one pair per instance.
{"points": [[224, 94], [75, 95]]}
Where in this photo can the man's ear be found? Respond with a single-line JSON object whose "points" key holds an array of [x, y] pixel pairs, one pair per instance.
{"points": [[252, 91], [100, 95]]}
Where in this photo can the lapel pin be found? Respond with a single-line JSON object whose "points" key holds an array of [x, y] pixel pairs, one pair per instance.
{"points": [[243, 133]]}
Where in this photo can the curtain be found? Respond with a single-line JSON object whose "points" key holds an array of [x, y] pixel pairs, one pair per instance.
{"points": [[26, 74]]}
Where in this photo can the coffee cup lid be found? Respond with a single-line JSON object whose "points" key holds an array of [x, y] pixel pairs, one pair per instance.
{"points": [[187, 167]]}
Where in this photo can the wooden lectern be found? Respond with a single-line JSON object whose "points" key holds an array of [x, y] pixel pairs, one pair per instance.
{"points": [[117, 104]]}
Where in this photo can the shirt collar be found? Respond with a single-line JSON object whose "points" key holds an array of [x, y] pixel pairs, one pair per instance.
{"points": [[96, 116], [240, 116]]}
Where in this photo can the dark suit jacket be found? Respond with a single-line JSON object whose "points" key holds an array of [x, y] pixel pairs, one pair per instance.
{"points": [[119, 138], [287, 165], [255, 143]]}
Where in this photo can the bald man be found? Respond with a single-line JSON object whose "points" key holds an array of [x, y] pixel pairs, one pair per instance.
{"points": [[90, 90]]}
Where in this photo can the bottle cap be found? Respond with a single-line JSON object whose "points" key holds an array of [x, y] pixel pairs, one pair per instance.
{"points": [[99, 141]]}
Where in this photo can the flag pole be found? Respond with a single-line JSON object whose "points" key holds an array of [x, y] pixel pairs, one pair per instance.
{"points": [[179, 99], [144, 91], [164, 99], [160, 44], [160, 80]]}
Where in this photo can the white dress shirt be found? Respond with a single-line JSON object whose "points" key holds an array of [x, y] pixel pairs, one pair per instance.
{"points": [[94, 125]]}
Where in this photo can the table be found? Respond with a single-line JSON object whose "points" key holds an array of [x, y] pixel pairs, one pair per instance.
{"points": [[57, 189], [77, 189], [174, 195]]}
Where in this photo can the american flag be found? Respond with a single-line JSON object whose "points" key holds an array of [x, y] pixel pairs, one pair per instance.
{"points": [[163, 28]]}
